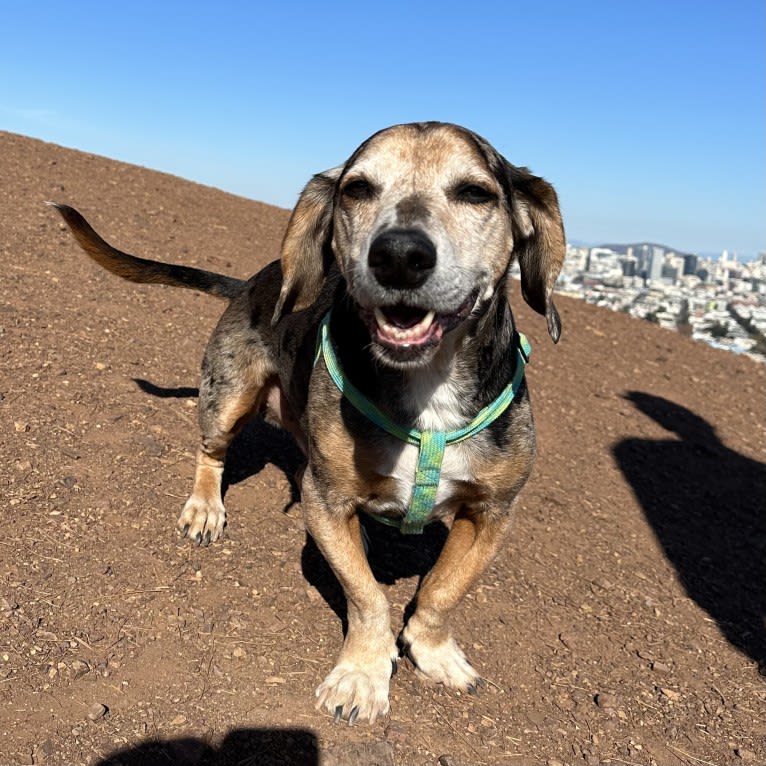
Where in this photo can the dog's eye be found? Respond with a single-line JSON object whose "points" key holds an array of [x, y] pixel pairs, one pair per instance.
{"points": [[359, 189], [474, 194]]}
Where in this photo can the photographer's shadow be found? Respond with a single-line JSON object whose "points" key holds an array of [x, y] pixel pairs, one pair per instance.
{"points": [[265, 747], [705, 503]]}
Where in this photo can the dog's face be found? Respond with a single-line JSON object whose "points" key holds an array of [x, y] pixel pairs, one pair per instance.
{"points": [[423, 221], [421, 235]]}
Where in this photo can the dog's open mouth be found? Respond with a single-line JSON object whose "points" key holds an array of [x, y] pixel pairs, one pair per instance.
{"points": [[402, 327], [406, 326]]}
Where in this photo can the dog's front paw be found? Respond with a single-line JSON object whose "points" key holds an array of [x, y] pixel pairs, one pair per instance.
{"points": [[440, 661], [357, 690], [202, 520]]}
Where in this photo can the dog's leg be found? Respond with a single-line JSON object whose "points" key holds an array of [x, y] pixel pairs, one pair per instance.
{"points": [[471, 544], [235, 384], [357, 687]]}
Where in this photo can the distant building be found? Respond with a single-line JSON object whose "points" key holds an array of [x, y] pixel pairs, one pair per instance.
{"points": [[690, 264], [656, 261], [629, 266]]}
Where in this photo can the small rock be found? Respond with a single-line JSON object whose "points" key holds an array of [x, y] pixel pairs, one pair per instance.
{"points": [[671, 694], [606, 701], [239, 652], [396, 733], [45, 749], [446, 760], [660, 667], [554, 762], [97, 711], [747, 756], [275, 680], [568, 640], [79, 668], [179, 720]]}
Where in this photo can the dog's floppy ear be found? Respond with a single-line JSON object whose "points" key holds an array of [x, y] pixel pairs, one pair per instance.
{"points": [[305, 244], [539, 241]]}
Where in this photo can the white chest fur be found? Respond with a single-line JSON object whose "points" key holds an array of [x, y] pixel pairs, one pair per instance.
{"points": [[403, 465], [437, 400]]}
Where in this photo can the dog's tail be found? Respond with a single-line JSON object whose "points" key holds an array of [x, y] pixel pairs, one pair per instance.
{"points": [[137, 269]]}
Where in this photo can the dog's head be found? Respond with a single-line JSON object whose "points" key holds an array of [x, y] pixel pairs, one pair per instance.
{"points": [[424, 221]]}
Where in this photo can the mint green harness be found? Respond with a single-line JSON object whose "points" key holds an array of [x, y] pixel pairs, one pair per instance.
{"points": [[430, 444]]}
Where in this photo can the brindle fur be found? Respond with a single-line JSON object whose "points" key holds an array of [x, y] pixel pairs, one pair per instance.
{"points": [[260, 360]]}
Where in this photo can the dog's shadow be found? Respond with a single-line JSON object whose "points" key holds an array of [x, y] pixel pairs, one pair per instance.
{"points": [[392, 556], [256, 445], [705, 504]]}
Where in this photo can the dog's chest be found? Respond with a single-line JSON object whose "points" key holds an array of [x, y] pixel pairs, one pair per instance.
{"points": [[403, 466], [439, 410]]}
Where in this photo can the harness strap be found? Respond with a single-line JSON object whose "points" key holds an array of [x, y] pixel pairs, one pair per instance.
{"points": [[430, 444]]}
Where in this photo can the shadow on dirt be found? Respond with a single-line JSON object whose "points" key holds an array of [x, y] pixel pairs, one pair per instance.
{"points": [[254, 447], [243, 747], [391, 555], [179, 392], [705, 504]]}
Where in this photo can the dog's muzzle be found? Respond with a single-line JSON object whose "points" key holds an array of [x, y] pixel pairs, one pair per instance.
{"points": [[403, 326]]}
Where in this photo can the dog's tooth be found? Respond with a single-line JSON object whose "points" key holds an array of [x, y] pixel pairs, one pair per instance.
{"points": [[380, 318], [427, 320]]}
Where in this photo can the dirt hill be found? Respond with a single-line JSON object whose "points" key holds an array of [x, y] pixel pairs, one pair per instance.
{"points": [[622, 624]]}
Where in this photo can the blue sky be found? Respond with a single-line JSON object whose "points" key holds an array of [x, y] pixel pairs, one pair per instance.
{"points": [[647, 116]]}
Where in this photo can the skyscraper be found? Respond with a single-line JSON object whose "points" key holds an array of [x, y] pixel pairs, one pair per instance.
{"points": [[655, 264]]}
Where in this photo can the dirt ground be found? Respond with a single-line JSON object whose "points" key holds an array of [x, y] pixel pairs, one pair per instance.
{"points": [[623, 623]]}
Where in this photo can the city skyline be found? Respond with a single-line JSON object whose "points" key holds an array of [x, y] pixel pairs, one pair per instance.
{"points": [[647, 118], [720, 301]]}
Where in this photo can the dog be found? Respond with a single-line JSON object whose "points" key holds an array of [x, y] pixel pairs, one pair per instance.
{"points": [[384, 329]]}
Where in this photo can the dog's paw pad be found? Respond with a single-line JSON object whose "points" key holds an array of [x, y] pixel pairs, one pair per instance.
{"points": [[202, 521]]}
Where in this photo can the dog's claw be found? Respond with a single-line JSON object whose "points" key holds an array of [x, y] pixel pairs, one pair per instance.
{"points": [[198, 538], [394, 667], [471, 689], [338, 713], [185, 530], [352, 716], [208, 538]]}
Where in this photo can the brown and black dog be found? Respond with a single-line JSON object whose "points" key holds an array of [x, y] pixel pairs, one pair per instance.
{"points": [[407, 246]]}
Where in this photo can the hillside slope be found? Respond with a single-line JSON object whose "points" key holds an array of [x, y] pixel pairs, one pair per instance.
{"points": [[623, 624]]}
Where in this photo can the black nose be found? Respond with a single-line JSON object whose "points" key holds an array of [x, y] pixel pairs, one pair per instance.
{"points": [[402, 258]]}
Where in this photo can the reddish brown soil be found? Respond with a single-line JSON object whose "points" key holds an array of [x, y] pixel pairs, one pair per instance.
{"points": [[622, 624]]}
